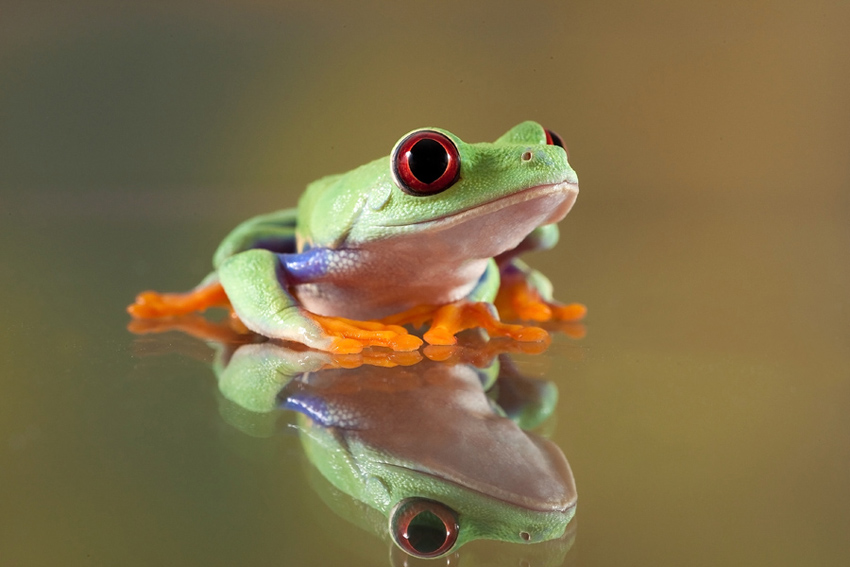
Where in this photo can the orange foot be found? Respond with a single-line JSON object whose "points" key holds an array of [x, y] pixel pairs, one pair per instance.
{"points": [[350, 337], [518, 300], [449, 320], [152, 305]]}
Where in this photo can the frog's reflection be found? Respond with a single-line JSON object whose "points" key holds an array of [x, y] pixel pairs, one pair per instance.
{"points": [[439, 448]]}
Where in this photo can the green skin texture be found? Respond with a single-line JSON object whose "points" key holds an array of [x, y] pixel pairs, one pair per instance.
{"points": [[431, 249], [255, 374]]}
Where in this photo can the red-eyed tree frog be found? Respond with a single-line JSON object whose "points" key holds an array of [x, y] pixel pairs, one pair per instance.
{"points": [[431, 233]]}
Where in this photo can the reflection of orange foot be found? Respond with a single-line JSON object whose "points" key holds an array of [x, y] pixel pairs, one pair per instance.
{"points": [[449, 320], [375, 358], [518, 300], [350, 337], [573, 329], [151, 304], [226, 331], [480, 353]]}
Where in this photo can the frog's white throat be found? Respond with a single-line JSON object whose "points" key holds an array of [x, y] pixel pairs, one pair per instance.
{"points": [[487, 230], [558, 199]]}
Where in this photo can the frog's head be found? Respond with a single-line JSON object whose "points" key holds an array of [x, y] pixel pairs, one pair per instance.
{"points": [[437, 502], [435, 183], [437, 517]]}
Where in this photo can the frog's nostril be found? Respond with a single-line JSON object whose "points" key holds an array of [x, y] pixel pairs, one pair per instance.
{"points": [[526, 156]]}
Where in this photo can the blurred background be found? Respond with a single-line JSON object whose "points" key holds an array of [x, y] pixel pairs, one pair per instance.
{"points": [[706, 412]]}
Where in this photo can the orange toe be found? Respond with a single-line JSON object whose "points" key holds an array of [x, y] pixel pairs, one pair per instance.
{"points": [[451, 319], [350, 336], [519, 300], [151, 304], [570, 312]]}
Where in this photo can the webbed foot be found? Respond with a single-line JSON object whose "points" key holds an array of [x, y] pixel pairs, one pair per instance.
{"points": [[453, 318], [153, 305], [518, 299], [350, 337]]}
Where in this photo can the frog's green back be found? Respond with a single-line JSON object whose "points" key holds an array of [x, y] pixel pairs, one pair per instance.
{"points": [[331, 206]]}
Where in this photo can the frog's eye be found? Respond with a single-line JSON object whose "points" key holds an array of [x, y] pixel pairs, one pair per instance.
{"points": [[425, 163], [553, 139], [423, 528]]}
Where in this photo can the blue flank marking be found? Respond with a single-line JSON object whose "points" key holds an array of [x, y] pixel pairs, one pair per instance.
{"points": [[320, 411], [313, 407], [307, 266]]}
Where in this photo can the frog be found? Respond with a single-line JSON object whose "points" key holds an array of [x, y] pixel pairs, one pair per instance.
{"points": [[431, 233]]}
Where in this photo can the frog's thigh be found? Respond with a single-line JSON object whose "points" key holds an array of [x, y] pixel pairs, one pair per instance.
{"points": [[252, 282], [274, 231]]}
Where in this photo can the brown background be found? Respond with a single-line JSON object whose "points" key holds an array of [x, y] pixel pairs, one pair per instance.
{"points": [[705, 414]]}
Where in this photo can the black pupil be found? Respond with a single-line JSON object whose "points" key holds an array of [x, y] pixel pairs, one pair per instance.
{"points": [[426, 532], [428, 160]]}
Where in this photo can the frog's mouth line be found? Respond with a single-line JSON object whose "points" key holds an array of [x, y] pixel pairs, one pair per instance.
{"points": [[567, 188], [564, 510]]}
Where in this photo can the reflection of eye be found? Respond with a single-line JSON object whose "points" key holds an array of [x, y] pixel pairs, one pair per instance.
{"points": [[423, 528], [425, 163], [553, 139]]}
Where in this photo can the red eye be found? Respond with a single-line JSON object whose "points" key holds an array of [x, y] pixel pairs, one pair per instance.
{"points": [[553, 139], [425, 163], [424, 528]]}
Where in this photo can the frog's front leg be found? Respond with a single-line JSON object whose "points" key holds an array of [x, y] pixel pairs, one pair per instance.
{"points": [[256, 283], [475, 310], [525, 293]]}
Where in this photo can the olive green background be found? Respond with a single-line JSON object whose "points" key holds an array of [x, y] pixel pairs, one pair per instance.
{"points": [[706, 412]]}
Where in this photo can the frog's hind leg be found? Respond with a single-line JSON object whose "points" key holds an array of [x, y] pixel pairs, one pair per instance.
{"points": [[526, 294], [153, 305], [274, 231], [257, 281]]}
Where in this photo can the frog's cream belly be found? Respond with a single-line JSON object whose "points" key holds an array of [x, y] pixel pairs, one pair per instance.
{"points": [[433, 262], [378, 289]]}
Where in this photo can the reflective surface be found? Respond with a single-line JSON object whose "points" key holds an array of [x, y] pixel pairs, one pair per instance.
{"points": [[705, 414], [443, 438]]}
